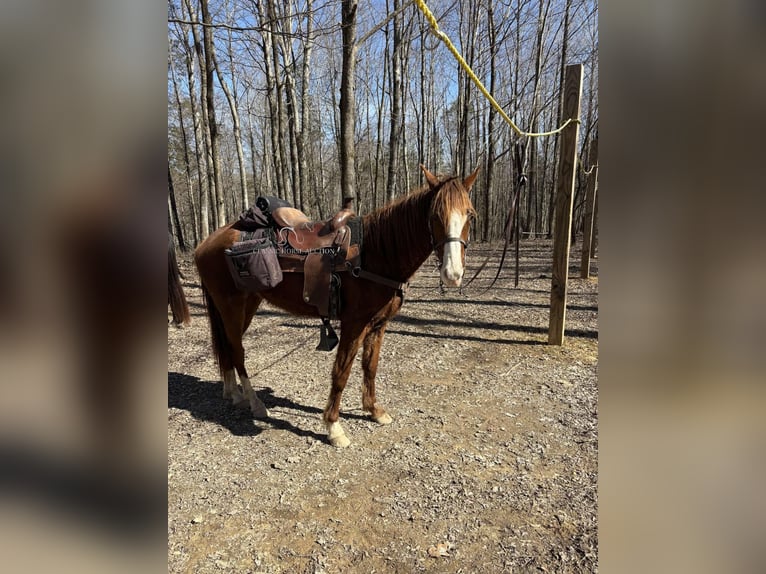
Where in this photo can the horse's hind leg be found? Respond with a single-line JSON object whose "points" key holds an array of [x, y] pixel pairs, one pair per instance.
{"points": [[238, 355], [230, 388], [370, 355], [256, 405]]}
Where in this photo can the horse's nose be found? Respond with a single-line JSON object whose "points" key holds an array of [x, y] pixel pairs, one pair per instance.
{"points": [[452, 277]]}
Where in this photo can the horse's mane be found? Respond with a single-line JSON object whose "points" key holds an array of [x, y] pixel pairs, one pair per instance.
{"points": [[401, 227], [451, 198]]}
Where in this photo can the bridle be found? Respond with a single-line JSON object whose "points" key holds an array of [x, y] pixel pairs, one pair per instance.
{"points": [[435, 248], [448, 240]]}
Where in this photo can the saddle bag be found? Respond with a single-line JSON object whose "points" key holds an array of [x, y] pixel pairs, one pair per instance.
{"points": [[254, 265], [268, 203]]}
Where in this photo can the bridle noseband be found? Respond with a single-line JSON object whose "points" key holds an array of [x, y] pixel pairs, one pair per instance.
{"points": [[435, 246], [448, 240]]}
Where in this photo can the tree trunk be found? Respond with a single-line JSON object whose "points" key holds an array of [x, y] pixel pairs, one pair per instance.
{"points": [[187, 162], [347, 100], [396, 105], [211, 125], [281, 118], [423, 123], [490, 168], [379, 144], [174, 213], [559, 120], [305, 107], [534, 185], [200, 133], [290, 105], [468, 40], [231, 98], [404, 59]]}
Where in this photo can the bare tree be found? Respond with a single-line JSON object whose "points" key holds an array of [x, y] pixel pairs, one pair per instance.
{"points": [[290, 102], [173, 212], [396, 105], [347, 100], [200, 120], [534, 186], [231, 97], [305, 104], [564, 45], [187, 163], [211, 126]]}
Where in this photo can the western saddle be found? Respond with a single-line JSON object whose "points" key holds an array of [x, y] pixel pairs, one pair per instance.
{"points": [[319, 250], [306, 235]]}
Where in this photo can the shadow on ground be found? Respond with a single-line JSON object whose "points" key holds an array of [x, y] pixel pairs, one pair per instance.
{"points": [[204, 401]]}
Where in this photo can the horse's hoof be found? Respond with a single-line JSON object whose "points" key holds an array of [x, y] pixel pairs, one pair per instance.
{"points": [[259, 411], [237, 399], [340, 441], [336, 435], [384, 419], [242, 405]]}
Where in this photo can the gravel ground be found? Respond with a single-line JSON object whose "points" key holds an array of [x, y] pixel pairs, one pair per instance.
{"points": [[489, 466]]}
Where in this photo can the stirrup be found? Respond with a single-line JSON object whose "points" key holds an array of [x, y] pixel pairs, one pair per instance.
{"points": [[328, 340]]}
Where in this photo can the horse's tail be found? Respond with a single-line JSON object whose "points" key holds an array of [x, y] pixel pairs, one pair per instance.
{"points": [[176, 297], [221, 346]]}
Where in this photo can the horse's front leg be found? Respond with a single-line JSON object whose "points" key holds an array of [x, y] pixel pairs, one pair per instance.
{"points": [[350, 337], [370, 355]]}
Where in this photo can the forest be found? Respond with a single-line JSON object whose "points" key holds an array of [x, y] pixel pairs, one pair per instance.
{"points": [[317, 100]]}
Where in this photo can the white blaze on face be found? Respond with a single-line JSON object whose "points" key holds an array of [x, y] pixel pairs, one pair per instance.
{"points": [[452, 262]]}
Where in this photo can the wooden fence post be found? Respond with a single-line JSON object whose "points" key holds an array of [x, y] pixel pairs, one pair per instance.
{"points": [[590, 203], [565, 182]]}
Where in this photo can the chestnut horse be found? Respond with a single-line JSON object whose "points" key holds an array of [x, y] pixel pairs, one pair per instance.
{"points": [[396, 241], [176, 297]]}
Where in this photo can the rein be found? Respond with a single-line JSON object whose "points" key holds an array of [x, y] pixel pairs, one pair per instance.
{"points": [[359, 273]]}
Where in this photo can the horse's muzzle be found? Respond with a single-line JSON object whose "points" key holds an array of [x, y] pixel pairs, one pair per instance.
{"points": [[452, 279]]}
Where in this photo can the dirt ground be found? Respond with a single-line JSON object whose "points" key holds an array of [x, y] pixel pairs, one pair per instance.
{"points": [[489, 466]]}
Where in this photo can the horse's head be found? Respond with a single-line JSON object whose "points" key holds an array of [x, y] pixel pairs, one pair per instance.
{"points": [[450, 223]]}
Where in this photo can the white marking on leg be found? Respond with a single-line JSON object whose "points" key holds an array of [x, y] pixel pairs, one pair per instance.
{"points": [[384, 419], [256, 406], [230, 389], [336, 435], [452, 263]]}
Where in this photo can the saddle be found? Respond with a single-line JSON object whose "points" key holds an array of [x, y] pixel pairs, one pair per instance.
{"points": [[306, 235], [320, 250]]}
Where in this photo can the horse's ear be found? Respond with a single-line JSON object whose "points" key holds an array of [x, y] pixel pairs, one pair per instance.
{"points": [[432, 180], [468, 181]]}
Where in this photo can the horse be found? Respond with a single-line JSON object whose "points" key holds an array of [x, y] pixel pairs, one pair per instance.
{"points": [[396, 240], [176, 298]]}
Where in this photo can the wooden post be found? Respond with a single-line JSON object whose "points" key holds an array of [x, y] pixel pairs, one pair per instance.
{"points": [[590, 203], [565, 182]]}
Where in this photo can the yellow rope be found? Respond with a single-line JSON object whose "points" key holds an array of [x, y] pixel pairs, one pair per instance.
{"points": [[443, 37]]}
